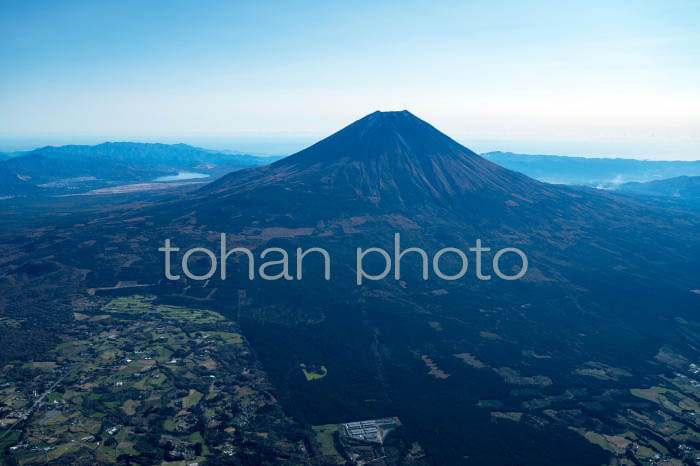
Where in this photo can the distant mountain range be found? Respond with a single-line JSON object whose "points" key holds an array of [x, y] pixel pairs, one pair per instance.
{"points": [[151, 154], [681, 187], [596, 172], [80, 168], [74, 169]]}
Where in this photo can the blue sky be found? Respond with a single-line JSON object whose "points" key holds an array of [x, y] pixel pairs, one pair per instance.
{"points": [[596, 79]]}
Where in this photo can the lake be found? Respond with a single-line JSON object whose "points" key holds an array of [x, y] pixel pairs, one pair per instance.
{"points": [[182, 176]]}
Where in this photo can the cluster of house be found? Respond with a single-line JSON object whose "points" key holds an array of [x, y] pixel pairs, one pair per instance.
{"points": [[368, 431], [693, 369]]}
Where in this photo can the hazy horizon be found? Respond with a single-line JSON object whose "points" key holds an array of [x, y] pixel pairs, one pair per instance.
{"points": [[287, 144]]}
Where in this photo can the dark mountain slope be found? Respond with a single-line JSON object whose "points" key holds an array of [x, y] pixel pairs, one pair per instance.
{"points": [[395, 169], [607, 277], [389, 157], [609, 283]]}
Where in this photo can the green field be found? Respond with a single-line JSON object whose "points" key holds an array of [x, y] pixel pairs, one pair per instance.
{"points": [[313, 372], [324, 436]]}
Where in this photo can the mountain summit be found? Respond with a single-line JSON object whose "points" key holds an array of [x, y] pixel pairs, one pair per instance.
{"points": [[383, 133], [388, 157]]}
